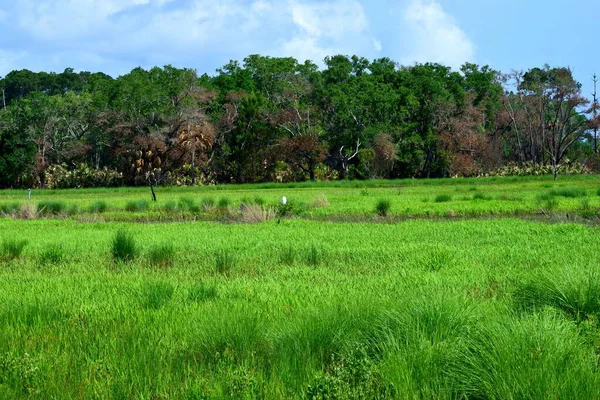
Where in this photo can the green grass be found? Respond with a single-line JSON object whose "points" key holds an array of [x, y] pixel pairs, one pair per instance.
{"points": [[383, 206], [334, 302], [12, 248]]}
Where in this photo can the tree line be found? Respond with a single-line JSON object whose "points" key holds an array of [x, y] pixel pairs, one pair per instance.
{"points": [[275, 119]]}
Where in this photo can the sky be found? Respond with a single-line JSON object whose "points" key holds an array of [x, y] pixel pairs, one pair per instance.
{"points": [[115, 36]]}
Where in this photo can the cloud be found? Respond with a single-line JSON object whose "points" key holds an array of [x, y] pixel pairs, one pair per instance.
{"points": [[435, 35], [203, 34]]}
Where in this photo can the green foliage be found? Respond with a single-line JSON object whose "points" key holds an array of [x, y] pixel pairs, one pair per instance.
{"points": [[569, 193], [223, 203], [51, 207], [156, 295], [225, 261], [188, 204], [137, 205], [54, 254], [383, 207], [162, 255], [443, 198], [287, 256], [82, 176], [12, 248], [481, 196], [98, 207], [124, 248], [314, 256], [200, 293], [10, 208]]}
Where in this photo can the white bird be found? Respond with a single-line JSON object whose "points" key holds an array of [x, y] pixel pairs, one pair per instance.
{"points": [[284, 200]]}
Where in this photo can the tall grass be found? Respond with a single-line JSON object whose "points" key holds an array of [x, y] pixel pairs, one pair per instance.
{"points": [[51, 207], [12, 248], [137, 205], [124, 248], [225, 261], [383, 206], [162, 255]]}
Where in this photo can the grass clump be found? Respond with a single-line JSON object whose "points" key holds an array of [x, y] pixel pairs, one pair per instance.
{"points": [[98, 207], [481, 196], [254, 214], [320, 201], [51, 207], [53, 254], [314, 256], [223, 203], [157, 294], [124, 248], [162, 255], [10, 208], [208, 204], [287, 256], [188, 204], [443, 198], [12, 248], [201, 293], [137, 205], [570, 193], [383, 206], [225, 260]]}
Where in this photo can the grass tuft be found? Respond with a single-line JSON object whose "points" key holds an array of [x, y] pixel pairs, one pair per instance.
{"points": [[157, 294], [12, 248], [53, 254], [383, 206], [98, 207], [287, 256], [201, 293], [137, 205], [314, 256], [443, 198], [51, 207], [225, 261], [124, 248], [162, 255], [255, 214]]}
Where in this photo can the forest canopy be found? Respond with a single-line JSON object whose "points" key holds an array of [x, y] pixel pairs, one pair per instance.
{"points": [[277, 120]]}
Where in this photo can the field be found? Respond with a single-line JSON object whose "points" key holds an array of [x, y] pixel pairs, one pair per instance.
{"points": [[479, 289]]}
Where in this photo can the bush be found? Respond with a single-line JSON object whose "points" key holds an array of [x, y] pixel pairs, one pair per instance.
{"points": [[12, 248], [382, 207], [162, 255], [443, 198], [123, 247], [83, 176], [224, 262], [137, 205], [98, 207], [52, 207]]}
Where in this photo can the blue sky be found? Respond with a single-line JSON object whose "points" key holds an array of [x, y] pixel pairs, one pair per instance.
{"points": [[114, 36]]}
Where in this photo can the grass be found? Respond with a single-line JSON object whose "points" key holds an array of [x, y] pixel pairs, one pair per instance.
{"points": [[317, 306], [383, 206], [124, 248], [98, 207], [12, 248], [162, 255], [51, 207], [137, 205], [443, 198]]}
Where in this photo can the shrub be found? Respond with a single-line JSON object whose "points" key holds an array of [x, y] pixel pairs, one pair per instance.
{"points": [[443, 198], [12, 248], [53, 207], [59, 177], [224, 261], [162, 255], [137, 205], [382, 207], [52, 255], [123, 247], [98, 207]]}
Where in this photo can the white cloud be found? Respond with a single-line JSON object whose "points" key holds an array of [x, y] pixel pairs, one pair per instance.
{"points": [[435, 35], [85, 34], [377, 45]]}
